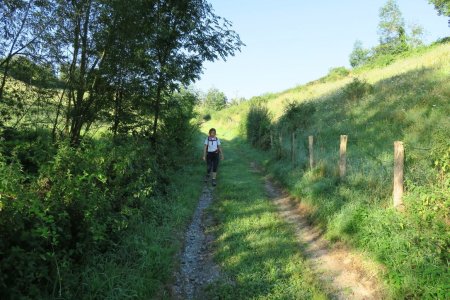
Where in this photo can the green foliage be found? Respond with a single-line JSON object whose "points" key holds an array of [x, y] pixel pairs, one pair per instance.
{"points": [[258, 126], [357, 89], [442, 6], [337, 73], [215, 100], [207, 117], [23, 69], [415, 37], [334, 74], [297, 116], [359, 55], [411, 106], [143, 262], [60, 205], [391, 23]]}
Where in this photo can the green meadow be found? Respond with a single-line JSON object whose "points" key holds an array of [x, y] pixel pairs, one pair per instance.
{"points": [[406, 100]]}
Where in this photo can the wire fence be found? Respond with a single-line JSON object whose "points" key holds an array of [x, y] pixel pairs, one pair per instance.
{"points": [[348, 157]]}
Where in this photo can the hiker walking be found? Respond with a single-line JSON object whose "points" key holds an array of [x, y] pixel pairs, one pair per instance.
{"points": [[211, 153]]}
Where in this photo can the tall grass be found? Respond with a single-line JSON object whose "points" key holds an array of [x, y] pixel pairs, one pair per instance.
{"points": [[407, 100], [143, 263]]}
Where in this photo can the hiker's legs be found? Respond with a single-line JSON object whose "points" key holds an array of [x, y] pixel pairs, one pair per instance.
{"points": [[209, 164], [215, 164]]}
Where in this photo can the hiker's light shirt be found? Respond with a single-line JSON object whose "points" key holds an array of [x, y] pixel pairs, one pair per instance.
{"points": [[212, 143]]}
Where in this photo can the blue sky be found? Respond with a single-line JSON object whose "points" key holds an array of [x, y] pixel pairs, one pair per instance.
{"points": [[291, 42]]}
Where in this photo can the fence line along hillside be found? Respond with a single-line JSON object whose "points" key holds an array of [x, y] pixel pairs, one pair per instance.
{"points": [[406, 102], [397, 168]]}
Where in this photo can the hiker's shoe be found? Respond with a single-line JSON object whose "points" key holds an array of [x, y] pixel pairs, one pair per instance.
{"points": [[213, 182], [206, 177]]}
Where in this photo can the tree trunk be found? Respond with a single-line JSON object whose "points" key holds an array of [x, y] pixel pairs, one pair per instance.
{"points": [[11, 51], [58, 111], [157, 108], [78, 117], [117, 111], [5, 75]]}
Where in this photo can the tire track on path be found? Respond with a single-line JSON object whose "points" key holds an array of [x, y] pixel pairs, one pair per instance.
{"points": [[345, 273]]}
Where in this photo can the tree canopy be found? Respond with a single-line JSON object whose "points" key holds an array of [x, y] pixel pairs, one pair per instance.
{"points": [[442, 6], [215, 99], [391, 28], [120, 61]]}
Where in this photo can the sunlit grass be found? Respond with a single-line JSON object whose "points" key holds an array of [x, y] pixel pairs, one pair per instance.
{"points": [[256, 249], [410, 102]]}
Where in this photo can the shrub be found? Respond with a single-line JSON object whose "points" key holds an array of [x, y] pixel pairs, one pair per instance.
{"points": [[215, 100], [258, 127], [297, 115], [72, 203], [335, 74], [207, 117], [357, 89]]}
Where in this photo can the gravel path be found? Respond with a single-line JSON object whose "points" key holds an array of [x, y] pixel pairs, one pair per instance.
{"points": [[197, 268]]}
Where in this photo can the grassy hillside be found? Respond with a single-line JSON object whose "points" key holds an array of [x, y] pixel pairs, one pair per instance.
{"points": [[407, 100]]}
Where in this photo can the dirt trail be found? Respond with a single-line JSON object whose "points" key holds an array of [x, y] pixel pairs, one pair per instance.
{"points": [[197, 268], [346, 273]]}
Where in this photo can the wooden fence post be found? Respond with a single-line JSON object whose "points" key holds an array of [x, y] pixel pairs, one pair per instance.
{"points": [[399, 158], [342, 156], [311, 155]]}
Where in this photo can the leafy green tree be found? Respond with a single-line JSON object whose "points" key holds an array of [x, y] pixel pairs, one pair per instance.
{"points": [[23, 26], [159, 46], [442, 6], [187, 34], [24, 69], [416, 35], [359, 55], [215, 100], [391, 29]]}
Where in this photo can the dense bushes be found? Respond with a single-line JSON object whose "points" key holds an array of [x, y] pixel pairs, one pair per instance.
{"points": [[297, 116], [357, 89], [258, 127], [78, 203], [62, 205]]}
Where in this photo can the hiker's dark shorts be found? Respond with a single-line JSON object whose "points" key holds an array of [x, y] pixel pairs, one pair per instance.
{"points": [[212, 161]]}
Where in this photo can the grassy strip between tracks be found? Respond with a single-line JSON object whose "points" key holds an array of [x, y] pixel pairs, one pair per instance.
{"points": [[256, 249]]}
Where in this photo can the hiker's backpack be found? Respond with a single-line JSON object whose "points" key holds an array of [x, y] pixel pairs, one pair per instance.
{"points": [[212, 140]]}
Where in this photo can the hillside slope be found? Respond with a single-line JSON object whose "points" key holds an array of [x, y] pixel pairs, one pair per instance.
{"points": [[407, 100]]}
